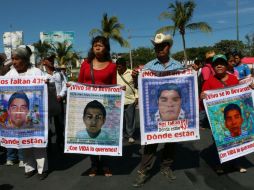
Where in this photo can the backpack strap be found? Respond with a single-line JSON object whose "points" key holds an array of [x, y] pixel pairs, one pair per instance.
{"points": [[126, 82]]}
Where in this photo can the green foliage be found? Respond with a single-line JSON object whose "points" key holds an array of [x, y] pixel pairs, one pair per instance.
{"points": [[111, 29], [42, 49], [198, 52], [65, 54], [181, 13], [140, 56], [225, 46], [249, 44]]}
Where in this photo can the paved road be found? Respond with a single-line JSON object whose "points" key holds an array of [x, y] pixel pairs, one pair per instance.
{"points": [[192, 168]]}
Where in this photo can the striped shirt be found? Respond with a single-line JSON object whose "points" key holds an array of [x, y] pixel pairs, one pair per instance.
{"points": [[156, 65]]}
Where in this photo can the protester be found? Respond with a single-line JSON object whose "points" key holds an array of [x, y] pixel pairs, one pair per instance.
{"points": [[5, 64], [57, 92], [221, 79], [98, 69], [34, 158], [243, 69], [163, 62], [124, 78], [231, 64], [207, 69], [197, 65], [63, 71]]}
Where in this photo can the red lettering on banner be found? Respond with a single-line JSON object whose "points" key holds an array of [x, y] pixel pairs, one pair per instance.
{"points": [[77, 87], [184, 134], [209, 96], [32, 141], [83, 148], [223, 155], [230, 152], [21, 81], [237, 90], [147, 74], [9, 141], [159, 136], [73, 148], [246, 147], [4, 81], [110, 89], [105, 149]]}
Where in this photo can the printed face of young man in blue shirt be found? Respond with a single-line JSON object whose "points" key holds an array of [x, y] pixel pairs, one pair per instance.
{"points": [[93, 120], [169, 105]]}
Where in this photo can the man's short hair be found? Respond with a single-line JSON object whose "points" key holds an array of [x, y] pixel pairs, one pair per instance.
{"points": [[121, 61], [95, 104], [238, 53], [168, 86], [231, 107], [50, 58], [20, 95]]}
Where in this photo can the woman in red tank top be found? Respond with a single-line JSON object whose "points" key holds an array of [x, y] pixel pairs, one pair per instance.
{"points": [[104, 70], [98, 69]]}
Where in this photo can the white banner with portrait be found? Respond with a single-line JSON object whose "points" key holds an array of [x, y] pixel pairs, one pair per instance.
{"points": [[94, 120], [168, 103], [231, 117], [23, 112]]}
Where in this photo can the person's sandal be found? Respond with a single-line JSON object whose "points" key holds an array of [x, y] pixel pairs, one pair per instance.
{"points": [[93, 172], [242, 170], [107, 172]]}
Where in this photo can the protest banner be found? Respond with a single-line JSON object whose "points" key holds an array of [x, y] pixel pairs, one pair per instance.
{"points": [[231, 116], [23, 112], [246, 80], [94, 120], [168, 103]]}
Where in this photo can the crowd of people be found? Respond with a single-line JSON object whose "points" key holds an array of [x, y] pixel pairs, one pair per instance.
{"points": [[216, 71]]}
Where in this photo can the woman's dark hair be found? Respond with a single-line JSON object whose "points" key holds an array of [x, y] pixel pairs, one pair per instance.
{"points": [[198, 62], [229, 55], [238, 53], [105, 42], [95, 104]]}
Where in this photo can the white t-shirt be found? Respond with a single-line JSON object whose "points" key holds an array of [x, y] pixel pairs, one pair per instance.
{"points": [[33, 71]]}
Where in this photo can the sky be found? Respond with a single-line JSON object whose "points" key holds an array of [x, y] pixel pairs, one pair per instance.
{"points": [[139, 17]]}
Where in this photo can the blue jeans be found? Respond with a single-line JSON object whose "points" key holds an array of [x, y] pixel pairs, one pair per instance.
{"points": [[14, 154]]}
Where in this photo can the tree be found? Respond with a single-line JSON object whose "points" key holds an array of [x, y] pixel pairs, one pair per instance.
{"points": [[42, 49], [194, 53], [250, 44], [225, 46], [111, 29], [140, 56], [180, 13], [65, 54]]}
